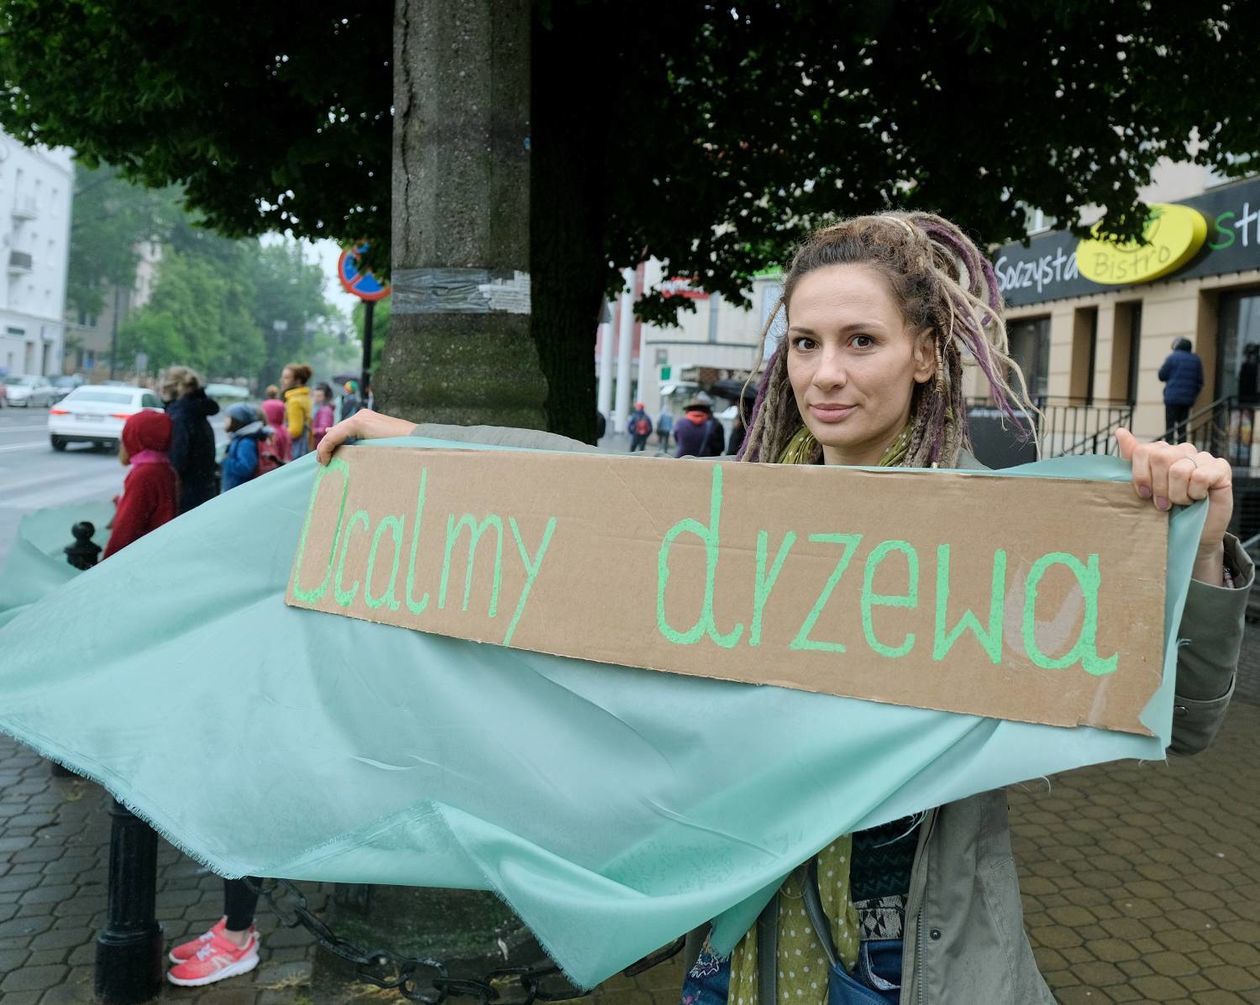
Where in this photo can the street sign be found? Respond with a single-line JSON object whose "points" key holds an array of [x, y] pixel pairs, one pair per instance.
{"points": [[357, 280]]}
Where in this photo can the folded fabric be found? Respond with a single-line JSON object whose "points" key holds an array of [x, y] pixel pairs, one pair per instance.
{"points": [[612, 808]]}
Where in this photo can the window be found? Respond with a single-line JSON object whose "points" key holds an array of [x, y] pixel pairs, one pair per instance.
{"points": [[1084, 351], [150, 401], [1030, 349], [1238, 358], [1125, 346]]}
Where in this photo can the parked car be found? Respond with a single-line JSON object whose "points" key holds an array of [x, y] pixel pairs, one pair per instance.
{"points": [[228, 394], [28, 391], [95, 414], [64, 384]]}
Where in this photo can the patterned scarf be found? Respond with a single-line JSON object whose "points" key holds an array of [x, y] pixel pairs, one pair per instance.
{"points": [[802, 964]]}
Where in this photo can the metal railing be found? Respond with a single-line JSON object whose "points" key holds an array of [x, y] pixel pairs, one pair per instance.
{"points": [[1226, 428], [1073, 426]]}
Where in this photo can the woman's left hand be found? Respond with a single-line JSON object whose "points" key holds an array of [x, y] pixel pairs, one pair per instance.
{"points": [[1177, 474]]}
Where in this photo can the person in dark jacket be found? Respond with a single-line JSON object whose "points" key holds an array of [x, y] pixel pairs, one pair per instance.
{"points": [[1182, 374], [698, 433], [639, 426], [192, 439]]}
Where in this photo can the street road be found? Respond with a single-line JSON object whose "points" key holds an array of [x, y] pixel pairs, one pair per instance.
{"points": [[33, 476]]}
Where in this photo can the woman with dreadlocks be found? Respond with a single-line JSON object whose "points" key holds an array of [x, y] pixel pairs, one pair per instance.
{"points": [[882, 311]]}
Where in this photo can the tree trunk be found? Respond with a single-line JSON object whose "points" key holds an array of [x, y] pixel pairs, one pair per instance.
{"points": [[571, 96], [460, 348]]}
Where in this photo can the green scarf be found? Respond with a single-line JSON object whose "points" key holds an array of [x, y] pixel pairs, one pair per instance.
{"points": [[802, 964]]}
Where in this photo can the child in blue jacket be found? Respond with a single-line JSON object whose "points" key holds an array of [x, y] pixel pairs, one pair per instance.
{"points": [[247, 432]]}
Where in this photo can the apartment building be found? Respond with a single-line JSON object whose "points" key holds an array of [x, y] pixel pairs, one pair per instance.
{"points": [[35, 197]]}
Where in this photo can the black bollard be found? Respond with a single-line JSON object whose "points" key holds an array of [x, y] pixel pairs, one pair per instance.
{"points": [[84, 552], [129, 950]]}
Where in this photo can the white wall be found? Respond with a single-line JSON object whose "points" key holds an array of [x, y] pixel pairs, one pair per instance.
{"points": [[35, 198]]}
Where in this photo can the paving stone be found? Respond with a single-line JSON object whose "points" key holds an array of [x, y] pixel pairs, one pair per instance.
{"points": [[1097, 974], [32, 979], [46, 957], [1159, 988], [1080, 994], [38, 854], [1112, 950], [1233, 978], [51, 894]]}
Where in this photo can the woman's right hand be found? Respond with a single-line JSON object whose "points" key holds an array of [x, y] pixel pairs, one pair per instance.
{"points": [[363, 425]]}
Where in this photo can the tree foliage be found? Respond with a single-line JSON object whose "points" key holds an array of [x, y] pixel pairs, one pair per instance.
{"points": [[199, 316], [111, 219], [230, 308], [272, 117], [709, 136]]}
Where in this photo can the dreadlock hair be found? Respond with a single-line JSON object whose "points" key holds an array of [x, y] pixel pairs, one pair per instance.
{"points": [[941, 282]]}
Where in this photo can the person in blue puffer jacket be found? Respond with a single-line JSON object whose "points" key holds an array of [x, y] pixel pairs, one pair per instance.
{"points": [[1182, 374], [246, 430]]}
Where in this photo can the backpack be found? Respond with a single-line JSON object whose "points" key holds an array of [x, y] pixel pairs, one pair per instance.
{"points": [[642, 426], [268, 457]]}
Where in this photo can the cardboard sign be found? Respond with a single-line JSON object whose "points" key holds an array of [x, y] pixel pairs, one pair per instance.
{"points": [[1032, 599]]}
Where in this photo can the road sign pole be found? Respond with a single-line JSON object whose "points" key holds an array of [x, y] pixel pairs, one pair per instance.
{"points": [[369, 306]]}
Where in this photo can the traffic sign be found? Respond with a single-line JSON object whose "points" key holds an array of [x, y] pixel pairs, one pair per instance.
{"points": [[357, 280]]}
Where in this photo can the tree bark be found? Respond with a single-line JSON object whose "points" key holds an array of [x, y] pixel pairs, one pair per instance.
{"points": [[572, 87], [460, 348]]}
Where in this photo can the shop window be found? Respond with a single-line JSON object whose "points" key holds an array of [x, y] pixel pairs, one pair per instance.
{"points": [[1030, 350], [1126, 341], [1084, 351], [1238, 356]]}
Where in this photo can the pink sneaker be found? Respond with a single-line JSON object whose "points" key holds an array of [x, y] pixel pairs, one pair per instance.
{"points": [[217, 960], [187, 950]]}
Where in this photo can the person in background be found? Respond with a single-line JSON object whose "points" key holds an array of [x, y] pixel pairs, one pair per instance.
{"points": [[350, 402], [325, 413], [150, 495], [639, 426], [297, 408], [664, 429], [273, 415], [248, 437], [698, 433], [1182, 374], [192, 439], [228, 949]]}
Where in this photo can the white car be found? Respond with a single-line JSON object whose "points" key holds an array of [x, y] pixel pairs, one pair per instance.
{"points": [[95, 414], [28, 391]]}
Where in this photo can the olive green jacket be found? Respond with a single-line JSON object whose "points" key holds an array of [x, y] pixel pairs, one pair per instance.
{"points": [[964, 935]]}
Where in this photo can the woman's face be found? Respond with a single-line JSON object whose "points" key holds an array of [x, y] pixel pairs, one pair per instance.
{"points": [[853, 362], [320, 397], [286, 379]]}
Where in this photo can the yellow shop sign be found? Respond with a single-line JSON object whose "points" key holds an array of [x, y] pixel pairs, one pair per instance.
{"points": [[1172, 236]]}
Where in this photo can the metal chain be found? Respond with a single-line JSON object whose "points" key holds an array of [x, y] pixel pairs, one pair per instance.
{"points": [[420, 979]]}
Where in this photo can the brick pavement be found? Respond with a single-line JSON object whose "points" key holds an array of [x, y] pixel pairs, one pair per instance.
{"points": [[1141, 884]]}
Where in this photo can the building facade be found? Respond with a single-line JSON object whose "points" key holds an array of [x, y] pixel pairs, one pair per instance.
{"points": [[91, 338], [1091, 325], [36, 186], [717, 341]]}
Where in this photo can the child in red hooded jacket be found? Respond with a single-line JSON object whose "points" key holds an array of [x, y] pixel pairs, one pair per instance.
{"points": [[150, 495]]}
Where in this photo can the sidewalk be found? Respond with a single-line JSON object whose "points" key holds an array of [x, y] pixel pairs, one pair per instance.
{"points": [[1141, 884]]}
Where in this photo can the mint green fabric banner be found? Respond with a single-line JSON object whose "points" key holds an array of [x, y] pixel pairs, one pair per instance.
{"points": [[612, 808]]}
